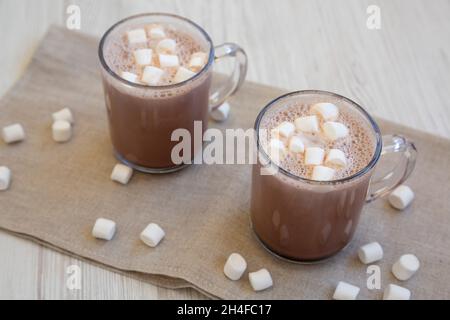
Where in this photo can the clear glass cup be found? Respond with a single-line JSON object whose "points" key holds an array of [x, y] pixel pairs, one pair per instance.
{"points": [[142, 118], [306, 221]]}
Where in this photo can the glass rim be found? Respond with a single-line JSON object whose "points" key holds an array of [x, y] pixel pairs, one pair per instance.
{"points": [[145, 86], [360, 173]]}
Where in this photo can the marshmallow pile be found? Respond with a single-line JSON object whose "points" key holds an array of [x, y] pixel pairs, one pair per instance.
{"points": [[288, 137], [403, 269], [235, 267], [161, 60], [62, 125]]}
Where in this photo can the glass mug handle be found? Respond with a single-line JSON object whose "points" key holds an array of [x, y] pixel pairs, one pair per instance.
{"points": [[387, 181], [229, 86]]}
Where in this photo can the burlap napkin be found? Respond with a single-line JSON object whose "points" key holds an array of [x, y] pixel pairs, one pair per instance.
{"points": [[60, 189]]}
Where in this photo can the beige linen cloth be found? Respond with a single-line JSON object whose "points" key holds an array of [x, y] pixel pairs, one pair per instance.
{"points": [[59, 190]]}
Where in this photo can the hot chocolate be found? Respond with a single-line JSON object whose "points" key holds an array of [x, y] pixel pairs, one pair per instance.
{"points": [[157, 78], [164, 86], [294, 216]]}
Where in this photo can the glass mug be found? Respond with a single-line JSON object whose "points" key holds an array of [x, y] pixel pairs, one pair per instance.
{"points": [[142, 118], [306, 221]]}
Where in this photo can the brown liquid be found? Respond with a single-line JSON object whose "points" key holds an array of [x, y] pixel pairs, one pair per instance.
{"points": [[141, 120], [304, 221]]}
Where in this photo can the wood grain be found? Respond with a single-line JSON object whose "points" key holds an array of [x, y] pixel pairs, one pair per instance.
{"points": [[400, 72]]}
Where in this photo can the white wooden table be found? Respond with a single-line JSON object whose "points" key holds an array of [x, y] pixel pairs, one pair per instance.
{"points": [[400, 72]]}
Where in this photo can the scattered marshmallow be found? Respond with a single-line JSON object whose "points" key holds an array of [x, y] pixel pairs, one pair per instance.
{"points": [[394, 292], [221, 113], [286, 129], [183, 74], [307, 124], [235, 266], [401, 197], [129, 76], [260, 280], [156, 32], [296, 145], [198, 60], [121, 173], [62, 131], [13, 133], [314, 156], [166, 46], [345, 291], [334, 130], [405, 267], [64, 114], [336, 157], [370, 252], [277, 150], [104, 229], [328, 111], [321, 173], [137, 36], [152, 75], [152, 235], [143, 57], [5, 178]]}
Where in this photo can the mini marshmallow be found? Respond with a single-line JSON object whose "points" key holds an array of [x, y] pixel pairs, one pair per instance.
{"points": [[152, 75], [405, 267], [5, 178], [260, 280], [143, 57], [336, 157], [307, 124], [277, 150], [183, 74], [104, 229], [235, 266], [13, 133], [401, 197], [62, 131], [221, 113], [168, 61], [334, 130], [156, 32], [286, 129], [314, 156], [321, 173], [64, 114], [136, 36], [328, 111], [394, 292], [152, 235], [166, 46], [129, 76], [121, 173], [296, 145], [345, 291], [370, 252], [198, 60]]}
